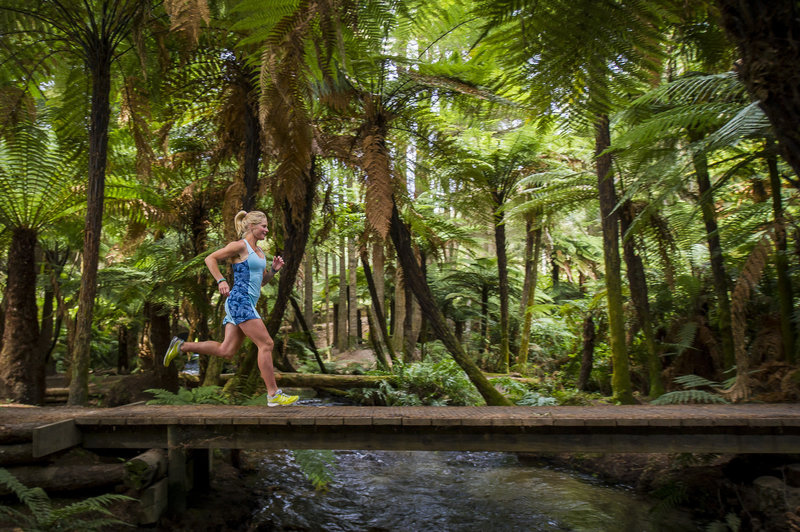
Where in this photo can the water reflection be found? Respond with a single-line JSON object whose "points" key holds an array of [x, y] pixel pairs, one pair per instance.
{"points": [[449, 491]]}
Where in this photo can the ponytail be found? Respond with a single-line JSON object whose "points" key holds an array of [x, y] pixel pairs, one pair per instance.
{"points": [[243, 220]]}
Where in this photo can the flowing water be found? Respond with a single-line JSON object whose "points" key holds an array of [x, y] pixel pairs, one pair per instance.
{"points": [[449, 491]]}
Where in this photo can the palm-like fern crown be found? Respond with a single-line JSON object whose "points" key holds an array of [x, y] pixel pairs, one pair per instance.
{"points": [[581, 58], [38, 183]]}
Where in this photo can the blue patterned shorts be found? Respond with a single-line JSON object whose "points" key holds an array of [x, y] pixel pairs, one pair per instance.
{"points": [[239, 308]]}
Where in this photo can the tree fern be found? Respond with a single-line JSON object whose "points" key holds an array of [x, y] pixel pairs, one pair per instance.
{"points": [[691, 394], [91, 514]]}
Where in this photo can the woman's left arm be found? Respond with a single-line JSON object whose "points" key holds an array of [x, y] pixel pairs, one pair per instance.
{"points": [[277, 264]]}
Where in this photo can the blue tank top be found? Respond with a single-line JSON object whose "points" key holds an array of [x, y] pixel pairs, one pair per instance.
{"points": [[248, 274]]}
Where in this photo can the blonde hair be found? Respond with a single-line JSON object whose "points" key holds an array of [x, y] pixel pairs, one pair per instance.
{"points": [[243, 220]]}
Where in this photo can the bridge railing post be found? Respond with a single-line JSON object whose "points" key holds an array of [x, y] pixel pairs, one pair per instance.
{"points": [[178, 480]]}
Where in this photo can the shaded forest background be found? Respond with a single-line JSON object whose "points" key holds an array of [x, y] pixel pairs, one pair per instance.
{"points": [[599, 196]]}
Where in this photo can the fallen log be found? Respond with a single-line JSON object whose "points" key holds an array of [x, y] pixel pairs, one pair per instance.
{"points": [[141, 471], [17, 454], [68, 477], [318, 380]]}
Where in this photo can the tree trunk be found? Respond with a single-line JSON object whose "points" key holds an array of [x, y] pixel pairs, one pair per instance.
{"points": [[379, 317], [419, 285], [639, 295], [68, 477], [341, 310], [379, 270], [21, 363], [100, 68], [621, 380], [308, 334], [251, 153], [718, 274], [502, 274], [766, 34], [160, 336], [354, 325], [530, 299], [785, 299], [308, 290], [328, 316], [399, 314], [587, 353]]}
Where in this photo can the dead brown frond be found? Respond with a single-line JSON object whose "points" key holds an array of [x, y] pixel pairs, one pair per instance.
{"points": [[748, 278], [135, 112], [231, 205], [16, 105], [186, 17], [376, 164]]}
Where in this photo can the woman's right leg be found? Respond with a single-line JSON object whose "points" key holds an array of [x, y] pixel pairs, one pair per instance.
{"points": [[225, 349]]}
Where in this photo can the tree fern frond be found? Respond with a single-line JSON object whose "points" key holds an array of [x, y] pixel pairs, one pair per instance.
{"points": [[682, 397], [316, 465], [35, 499], [749, 122]]}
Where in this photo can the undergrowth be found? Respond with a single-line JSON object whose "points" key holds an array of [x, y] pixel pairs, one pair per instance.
{"points": [[89, 514], [692, 392]]}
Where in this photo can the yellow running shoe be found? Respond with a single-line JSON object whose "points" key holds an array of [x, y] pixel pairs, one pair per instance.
{"points": [[281, 399], [173, 350]]}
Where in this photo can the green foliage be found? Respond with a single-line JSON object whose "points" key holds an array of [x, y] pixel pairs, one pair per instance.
{"points": [[733, 523], [86, 515], [536, 399], [690, 393], [316, 465], [521, 393], [203, 395], [435, 383]]}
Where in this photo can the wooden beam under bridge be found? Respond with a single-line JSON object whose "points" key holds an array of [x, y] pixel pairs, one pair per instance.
{"points": [[751, 428]]}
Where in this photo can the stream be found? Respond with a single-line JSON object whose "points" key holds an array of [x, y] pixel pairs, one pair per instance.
{"points": [[449, 491]]}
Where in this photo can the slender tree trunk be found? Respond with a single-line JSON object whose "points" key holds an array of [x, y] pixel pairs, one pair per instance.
{"points": [[766, 34], [718, 275], [785, 298], [380, 320], [159, 335], [352, 294], [399, 314], [308, 333], [639, 295], [308, 290], [528, 258], [587, 353], [100, 67], [252, 155], [379, 267], [341, 311], [328, 316], [419, 285], [502, 273], [620, 381], [524, 347], [21, 363]]}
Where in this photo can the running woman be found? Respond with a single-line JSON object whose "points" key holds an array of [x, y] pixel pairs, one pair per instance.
{"points": [[241, 317]]}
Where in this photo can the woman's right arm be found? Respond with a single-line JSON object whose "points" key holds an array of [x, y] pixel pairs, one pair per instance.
{"points": [[234, 249]]}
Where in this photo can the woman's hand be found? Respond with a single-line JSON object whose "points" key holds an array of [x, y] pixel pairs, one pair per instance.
{"points": [[224, 288], [277, 263]]}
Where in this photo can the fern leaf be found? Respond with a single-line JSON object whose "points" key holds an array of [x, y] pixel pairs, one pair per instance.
{"points": [[689, 397]]}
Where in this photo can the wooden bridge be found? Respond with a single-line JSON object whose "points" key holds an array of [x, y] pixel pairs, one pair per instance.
{"points": [[752, 428], [188, 433]]}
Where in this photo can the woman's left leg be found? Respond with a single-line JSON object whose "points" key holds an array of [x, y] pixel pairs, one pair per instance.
{"points": [[257, 332]]}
